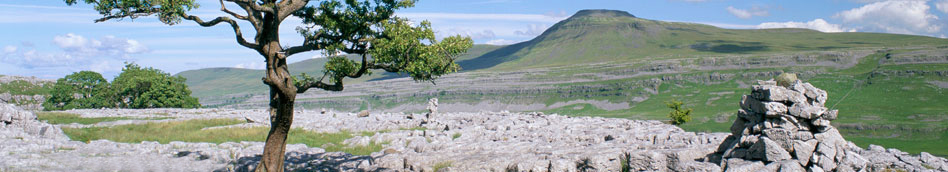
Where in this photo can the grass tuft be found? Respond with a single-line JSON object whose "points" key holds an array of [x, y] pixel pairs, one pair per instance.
{"points": [[441, 165]]}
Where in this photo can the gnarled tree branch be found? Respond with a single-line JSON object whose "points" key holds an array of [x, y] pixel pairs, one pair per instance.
{"points": [[233, 24], [132, 15], [253, 5], [224, 9], [321, 85]]}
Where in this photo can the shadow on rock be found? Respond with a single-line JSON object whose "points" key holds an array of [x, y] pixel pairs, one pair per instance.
{"points": [[329, 161]]}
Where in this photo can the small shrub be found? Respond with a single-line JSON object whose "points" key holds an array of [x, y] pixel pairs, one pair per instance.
{"points": [[584, 165], [455, 136], [512, 168], [624, 162], [678, 115]]}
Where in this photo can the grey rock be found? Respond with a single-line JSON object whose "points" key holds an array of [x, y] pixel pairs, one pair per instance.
{"points": [[820, 122], [780, 136], [648, 161], [802, 136], [803, 150], [815, 168], [827, 149], [853, 161], [819, 96], [771, 109], [831, 114], [768, 150], [739, 165], [806, 111], [432, 106], [937, 163], [790, 166], [738, 126], [771, 93], [826, 162]]}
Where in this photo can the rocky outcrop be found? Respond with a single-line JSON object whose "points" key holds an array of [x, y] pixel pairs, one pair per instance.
{"points": [[16, 118], [788, 129], [28, 102]]}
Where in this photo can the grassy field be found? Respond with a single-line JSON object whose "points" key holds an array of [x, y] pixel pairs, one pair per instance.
{"points": [[904, 112], [68, 118], [191, 131]]}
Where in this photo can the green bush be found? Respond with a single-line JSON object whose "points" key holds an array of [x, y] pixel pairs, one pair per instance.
{"points": [[678, 115], [139, 87]]}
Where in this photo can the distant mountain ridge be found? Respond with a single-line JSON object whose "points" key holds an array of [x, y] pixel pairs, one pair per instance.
{"points": [[596, 36]]}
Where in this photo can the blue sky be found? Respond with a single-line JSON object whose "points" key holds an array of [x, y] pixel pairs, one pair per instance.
{"points": [[47, 39]]}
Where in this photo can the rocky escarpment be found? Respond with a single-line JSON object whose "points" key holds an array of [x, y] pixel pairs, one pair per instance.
{"points": [[788, 128]]}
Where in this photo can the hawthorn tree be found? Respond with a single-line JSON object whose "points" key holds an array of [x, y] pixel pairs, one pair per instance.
{"points": [[138, 88], [366, 28], [84, 89]]}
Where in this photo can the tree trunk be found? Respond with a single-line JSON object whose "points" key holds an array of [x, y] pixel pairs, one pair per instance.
{"points": [[282, 97], [281, 119]]}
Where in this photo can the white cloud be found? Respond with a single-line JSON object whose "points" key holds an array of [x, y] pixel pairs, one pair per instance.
{"points": [[9, 49], [251, 65], [494, 17], [942, 6], [501, 42], [533, 30], [483, 34], [107, 46], [746, 14], [77, 53], [817, 24], [894, 16]]}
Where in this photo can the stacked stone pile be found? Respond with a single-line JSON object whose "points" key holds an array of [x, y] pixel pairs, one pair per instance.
{"points": [[786, 127]]}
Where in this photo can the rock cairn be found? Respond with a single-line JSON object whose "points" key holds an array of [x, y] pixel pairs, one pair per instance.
{"points": [[787, 128]]}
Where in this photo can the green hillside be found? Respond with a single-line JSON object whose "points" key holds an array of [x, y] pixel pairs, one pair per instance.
{"points": [[226, 83], [595, 36]]}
